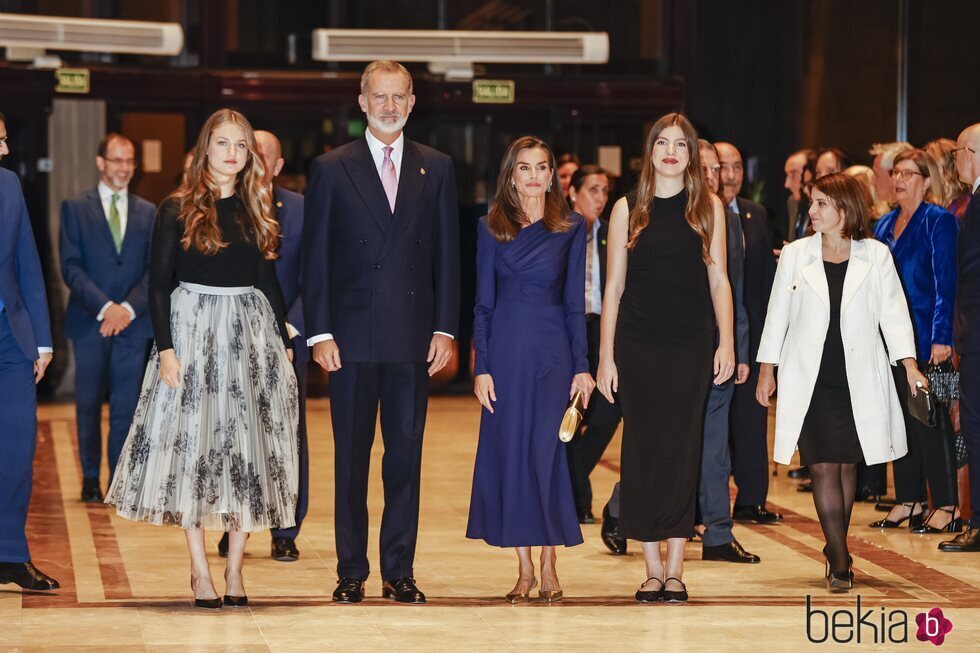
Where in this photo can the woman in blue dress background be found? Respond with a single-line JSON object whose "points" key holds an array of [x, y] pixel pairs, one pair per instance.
{"points": [[531, 357]]}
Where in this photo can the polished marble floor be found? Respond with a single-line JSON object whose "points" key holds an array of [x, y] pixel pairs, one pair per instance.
{"points": [[125, 585]]}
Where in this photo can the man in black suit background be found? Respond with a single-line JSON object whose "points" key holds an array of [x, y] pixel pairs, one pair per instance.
{"points": [[750, 421], [966, 329], [381, 301]]}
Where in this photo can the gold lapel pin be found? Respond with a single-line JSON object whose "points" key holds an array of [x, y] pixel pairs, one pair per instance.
{"points": [[278, 205], [422, 170], [748, 215]]}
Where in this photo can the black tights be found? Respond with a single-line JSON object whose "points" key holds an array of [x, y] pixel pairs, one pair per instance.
{"points": [[833, 495]]}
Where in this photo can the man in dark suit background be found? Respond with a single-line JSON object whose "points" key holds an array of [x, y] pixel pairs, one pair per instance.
{"points": [[750, 421], [966, 329], [381, 301], [104, 247], [25, 352]]}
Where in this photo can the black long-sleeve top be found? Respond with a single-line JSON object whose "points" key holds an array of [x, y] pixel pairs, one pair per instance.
{"points": [[239, 264]]}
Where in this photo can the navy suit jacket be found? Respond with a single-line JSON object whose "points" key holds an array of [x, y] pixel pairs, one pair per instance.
{"points": [[925, 256], [381, 283], [736, 277], [95, 273], [760, 269], [966, 330], [289, 214], [21, 279]]}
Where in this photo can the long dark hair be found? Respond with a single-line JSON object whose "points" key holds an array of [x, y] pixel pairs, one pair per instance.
{"points": [[506, 215], [700, 213]]}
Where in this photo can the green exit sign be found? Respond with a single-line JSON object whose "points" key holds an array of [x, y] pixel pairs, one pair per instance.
{"points": [[493, 91]]}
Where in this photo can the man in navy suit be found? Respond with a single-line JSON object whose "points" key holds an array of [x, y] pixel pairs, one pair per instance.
{"points": [[105, 255], [749, 420], [25, 352], [381, 301], [966, 329], [288, 209]]}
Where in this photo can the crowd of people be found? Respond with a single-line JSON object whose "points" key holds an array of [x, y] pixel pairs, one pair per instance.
{"points": [[197, 319]]}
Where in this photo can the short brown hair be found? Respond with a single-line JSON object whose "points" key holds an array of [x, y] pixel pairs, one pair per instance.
{"points": [[919, 158], [384, 66], [108, 138], [506, 216], [850, 197]]}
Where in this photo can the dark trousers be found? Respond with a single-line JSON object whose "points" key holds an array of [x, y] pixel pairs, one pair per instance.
{"points": [[750, 449], [112, 366], [930, 457], [18, 438], [301, 362], [402, 389], [600, 423], [714, 499], [970, 425]]}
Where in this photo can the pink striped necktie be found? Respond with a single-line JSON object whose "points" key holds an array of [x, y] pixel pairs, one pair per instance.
{"points": [[388, 177]]}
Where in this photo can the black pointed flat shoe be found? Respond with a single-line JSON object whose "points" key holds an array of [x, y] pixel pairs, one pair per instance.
{"points": [[650, 596], [675, 596], [208, 604]]}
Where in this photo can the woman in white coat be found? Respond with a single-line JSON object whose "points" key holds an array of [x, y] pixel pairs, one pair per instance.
{"points": [[837, 400]]}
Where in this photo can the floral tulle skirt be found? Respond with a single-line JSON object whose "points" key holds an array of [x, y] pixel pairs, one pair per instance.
{"points": [[220, 451]]}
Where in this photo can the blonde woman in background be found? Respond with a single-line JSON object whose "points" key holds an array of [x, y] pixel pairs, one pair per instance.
{"points": [[945, 187], [866, 176]]}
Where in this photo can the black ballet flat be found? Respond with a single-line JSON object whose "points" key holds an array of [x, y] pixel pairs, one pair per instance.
{"points": [[915, 521], [236, 601], [650, 596], [675, 596], [209, 604], [954, 525]]}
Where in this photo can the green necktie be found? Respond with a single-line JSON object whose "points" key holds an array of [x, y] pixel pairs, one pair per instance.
{"points": [[115, 224]]}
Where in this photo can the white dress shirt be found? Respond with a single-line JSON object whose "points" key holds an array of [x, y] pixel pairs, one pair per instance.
{"points": [[122, 208], [976, 183], [376, 148], [593, 280]]}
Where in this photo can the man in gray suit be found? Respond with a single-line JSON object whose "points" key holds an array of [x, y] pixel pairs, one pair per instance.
{"points": [[716, 463]]}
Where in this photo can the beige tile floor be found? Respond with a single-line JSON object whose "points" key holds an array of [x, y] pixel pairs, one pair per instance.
{"points": [[125, 585]]}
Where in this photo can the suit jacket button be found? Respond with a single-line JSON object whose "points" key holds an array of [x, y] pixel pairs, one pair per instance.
{"points": [[412, 266], [364, 241], [411, 292], [377, 266], [418, 241]]}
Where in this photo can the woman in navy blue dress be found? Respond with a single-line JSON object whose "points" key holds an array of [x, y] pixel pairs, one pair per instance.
{"points": [[531, 357]]}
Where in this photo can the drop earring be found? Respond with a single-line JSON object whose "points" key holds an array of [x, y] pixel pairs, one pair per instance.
{"points": [[549, 187]]}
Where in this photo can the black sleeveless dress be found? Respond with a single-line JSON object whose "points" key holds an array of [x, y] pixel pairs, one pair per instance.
{"points": [[829, 434], [664, 351]]}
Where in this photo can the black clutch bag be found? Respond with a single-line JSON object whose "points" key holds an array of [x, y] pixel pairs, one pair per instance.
{"points": [[923, 407], [944, 382]]}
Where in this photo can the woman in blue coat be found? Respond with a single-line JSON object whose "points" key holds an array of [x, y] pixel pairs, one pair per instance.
{"points": [[922, 238]]}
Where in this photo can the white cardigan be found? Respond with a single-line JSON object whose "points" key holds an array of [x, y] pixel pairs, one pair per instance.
{"points": [[796, 327]]}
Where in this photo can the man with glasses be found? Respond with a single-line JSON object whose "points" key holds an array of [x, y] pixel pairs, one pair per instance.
{"points": [[105, 255], [966, 329], [25, 352]]}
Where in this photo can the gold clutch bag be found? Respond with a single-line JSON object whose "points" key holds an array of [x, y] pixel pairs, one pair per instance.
{"points": [[571, 420]]}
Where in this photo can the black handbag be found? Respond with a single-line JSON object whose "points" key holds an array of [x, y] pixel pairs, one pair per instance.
{"points": [[944, 382], [924, 407]]}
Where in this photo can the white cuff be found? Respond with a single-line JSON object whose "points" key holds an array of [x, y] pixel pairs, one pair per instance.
{"points": [[443, 333], [102, 312], [44, 350], [291, 331], [132, 313], [320, 338]]}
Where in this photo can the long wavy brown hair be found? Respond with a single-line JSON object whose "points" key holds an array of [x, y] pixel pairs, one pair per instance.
{"points": [[506, 215], [197, 196], [699, 212]]}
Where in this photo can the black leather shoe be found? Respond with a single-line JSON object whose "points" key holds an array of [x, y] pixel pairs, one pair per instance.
{"points": [[610, 533], [27, 576], [284, 549], [799, 472], [731, 552], [223, 546], [586, 517], [91, 493], [968, 540], [349, 590], [757, 514], [675, 596], [650, 596], [402, 590]]}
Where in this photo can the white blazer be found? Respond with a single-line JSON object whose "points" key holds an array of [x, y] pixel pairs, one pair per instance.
{"points": [[796, 327]]}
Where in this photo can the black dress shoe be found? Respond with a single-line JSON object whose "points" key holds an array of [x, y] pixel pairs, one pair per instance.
{"points": [[349, 590], [586, 517], [757, 514], [284, 549], [91, 493], [799, 472], [610, 533], [402, 590], [968, 540], [223, 546], [730, 552], [650, 596], [27, 576], [236, 601], [675, 596]]}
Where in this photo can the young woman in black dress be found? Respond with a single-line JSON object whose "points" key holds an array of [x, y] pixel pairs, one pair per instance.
{"points": [[666, 287]]}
